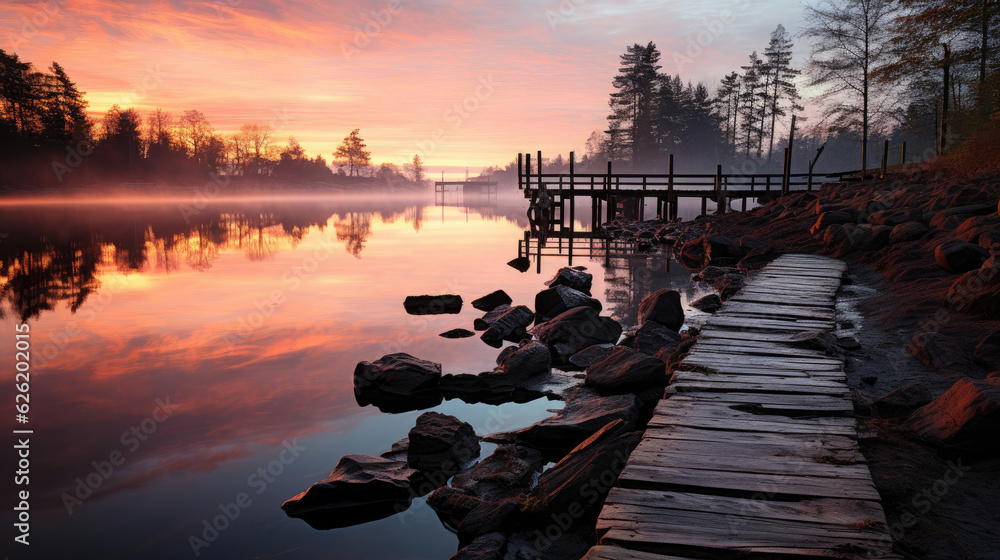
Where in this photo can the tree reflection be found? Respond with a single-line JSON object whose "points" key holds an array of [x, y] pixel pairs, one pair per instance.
{"points": [[355, 228]]}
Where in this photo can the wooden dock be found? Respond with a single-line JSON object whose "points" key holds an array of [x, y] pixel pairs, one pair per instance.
{"points": [[754, 453]]}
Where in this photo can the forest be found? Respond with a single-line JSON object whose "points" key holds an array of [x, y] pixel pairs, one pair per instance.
{"points": [[48, 138], [923, 72]]}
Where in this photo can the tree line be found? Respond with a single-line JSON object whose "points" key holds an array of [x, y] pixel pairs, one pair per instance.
{"points": [[47, 136], [920, 71]]}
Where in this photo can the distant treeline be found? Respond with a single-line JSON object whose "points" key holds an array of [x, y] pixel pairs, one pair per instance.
{"points": [[47, 137]]}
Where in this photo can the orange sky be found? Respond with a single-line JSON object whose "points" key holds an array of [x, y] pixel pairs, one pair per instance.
{"points": [[463, 84]]}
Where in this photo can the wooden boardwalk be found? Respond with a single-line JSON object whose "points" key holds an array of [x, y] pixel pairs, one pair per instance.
{"points": [[754, 454]]}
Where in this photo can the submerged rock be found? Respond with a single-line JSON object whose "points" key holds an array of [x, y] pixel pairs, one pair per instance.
{"points": [[491, 301], [521, 264], [508, 472], [663, 307], [457, 333], [491, 546], [433, 305]]}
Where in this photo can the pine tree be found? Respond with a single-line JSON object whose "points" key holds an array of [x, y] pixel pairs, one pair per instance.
{"points": [[352, 153], [630, 123], [777, 66], [64, 119], [751, 100]]}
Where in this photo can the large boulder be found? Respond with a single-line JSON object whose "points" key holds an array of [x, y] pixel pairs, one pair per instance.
{"points": [[966, 417], [553, 301], [951, 218], [626, 371], [977, 291], [585, 412], [396, 374], [576, 329], [720, 249], [907, 231], [959, 257], [987, 353], [972, 229], [441, 443], [355, 484], [490, 546], [453, 504], [528, 359], [590, 355], [570, 483], [433, 305], [663, 307], [507, 323], [710, 274], [492, 300], [490, 517], [573, 278], [651, 338], [894, 216], [729, 285], [757, 259]]}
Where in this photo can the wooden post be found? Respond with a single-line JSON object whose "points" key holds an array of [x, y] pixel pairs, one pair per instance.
{"points": [[885, 158], [720, 201], [944, 101], [572, 199], [527, 171], [609, 210], [520, 176], [704, 205], [902, 154], [539, 164], [672, 213], [791, 151], [785, 172]]}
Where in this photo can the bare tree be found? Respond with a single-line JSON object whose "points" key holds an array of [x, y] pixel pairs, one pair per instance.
{"points": [[196, 132], [850, 39]]}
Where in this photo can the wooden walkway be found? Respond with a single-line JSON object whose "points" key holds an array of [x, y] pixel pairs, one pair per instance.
{"points": [[754, 454]]}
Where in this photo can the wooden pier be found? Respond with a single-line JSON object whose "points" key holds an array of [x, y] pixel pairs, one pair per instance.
{"points": [[624, 194], [754, 453], [473, 194]]}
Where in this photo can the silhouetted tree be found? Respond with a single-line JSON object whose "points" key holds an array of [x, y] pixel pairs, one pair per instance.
{"points": [[352, 153], [632, 103], [64, 118], [195, 134], [780, 78], [121, 139]]}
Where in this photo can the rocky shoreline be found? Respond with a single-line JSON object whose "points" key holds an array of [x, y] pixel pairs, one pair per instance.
{"points": [[921, 367]]}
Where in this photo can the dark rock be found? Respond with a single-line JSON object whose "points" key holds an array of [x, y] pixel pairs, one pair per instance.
{"points": [[507, 323], [508, 472], [972, 229], [590, 355], [987, 353], [491, 546], [491, 301], [757, 259], [958, 257], [951, 218], [729, 285], [553, 301], [397, 374], [750, 243], [907, 231], [566, 484], [488, 517], [965, 418], [651, 338], [935, 349], [441, 443], [692, 253], [674, 358], [433, 305], [356, 482], [663, 307], [528, 359], [895, 216], [398, 451], [586, 411], [576, 329], [452, 505], [709, 304], [480, 325], [710, 274], [902, 401], [457, 333], [626, 371], [570, 277], [521, 264], [977, 291], [870, 380], [826, 219], [720, 248], [532, 545]]}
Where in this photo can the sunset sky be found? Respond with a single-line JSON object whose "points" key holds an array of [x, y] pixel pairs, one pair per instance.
{"points": [[463, 84]]}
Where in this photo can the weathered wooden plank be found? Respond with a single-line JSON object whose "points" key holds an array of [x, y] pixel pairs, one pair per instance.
{"points": [[807, 402], [610, 552], [819, 313], [779, 449], [766, 349], [751, 426], [710, 356], [747, 483], [702, 386], [686, 433]]}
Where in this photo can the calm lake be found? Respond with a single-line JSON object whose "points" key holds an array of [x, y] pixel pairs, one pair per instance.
{"points": [[182, 356]]}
